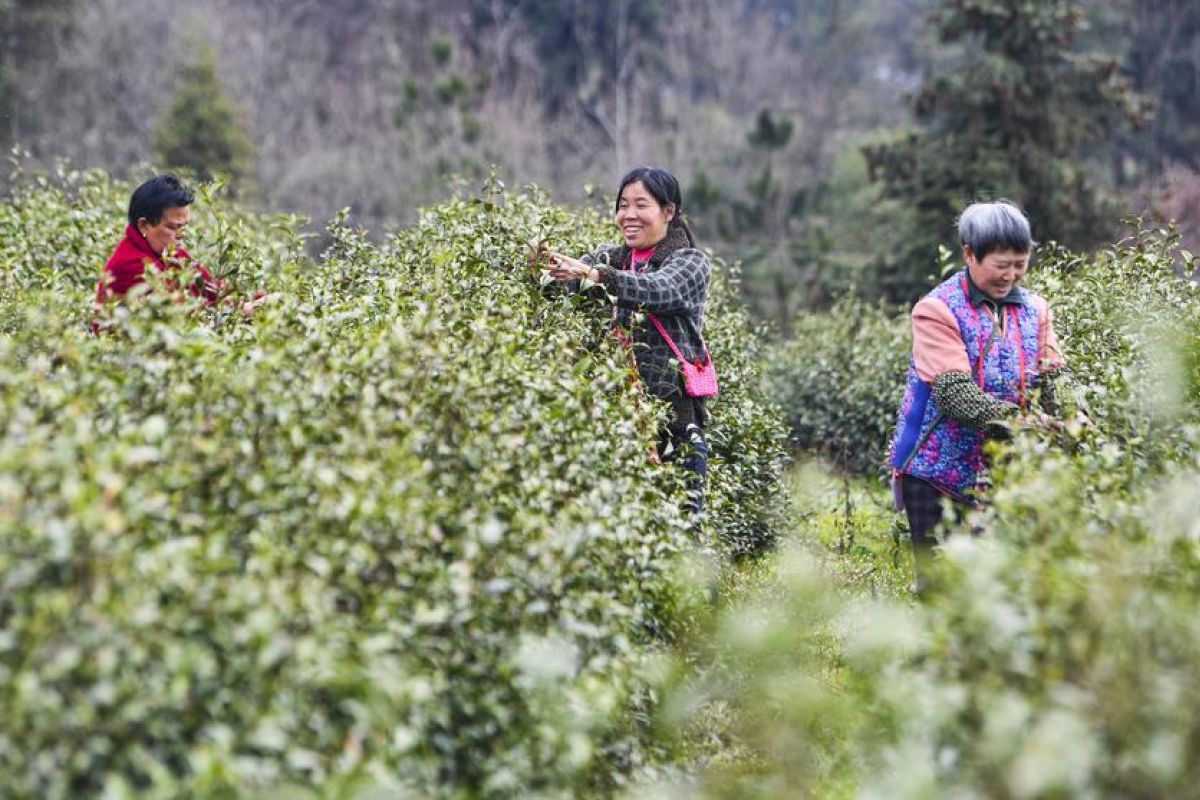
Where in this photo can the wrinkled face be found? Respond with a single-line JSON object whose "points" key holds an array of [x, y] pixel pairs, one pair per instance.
{"points": [[641, 219], [167, 234], [997, 272]]}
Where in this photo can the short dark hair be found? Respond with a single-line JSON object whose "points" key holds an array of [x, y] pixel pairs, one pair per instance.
{"points": [[155, 196], [664, 188]]}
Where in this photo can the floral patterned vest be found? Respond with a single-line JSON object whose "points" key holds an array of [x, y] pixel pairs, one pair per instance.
{"points": [[944, 452]]}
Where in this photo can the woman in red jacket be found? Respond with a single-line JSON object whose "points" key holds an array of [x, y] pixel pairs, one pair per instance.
{"points": [[158, 220]]}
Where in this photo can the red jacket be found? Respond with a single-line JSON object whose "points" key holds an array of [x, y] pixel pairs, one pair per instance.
{"points": [[127, 265]]}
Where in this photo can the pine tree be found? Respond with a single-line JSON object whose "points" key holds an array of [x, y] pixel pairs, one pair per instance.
{"points": [[1010, 107], [201, 129]]}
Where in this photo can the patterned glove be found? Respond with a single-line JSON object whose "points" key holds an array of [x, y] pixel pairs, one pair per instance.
{"points": [[1053, 388], [961, 399]]}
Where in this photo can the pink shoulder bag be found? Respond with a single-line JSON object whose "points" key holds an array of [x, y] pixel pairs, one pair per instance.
{"points": [[699, 379]]}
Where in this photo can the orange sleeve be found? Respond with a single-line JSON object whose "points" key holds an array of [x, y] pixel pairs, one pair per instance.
{"points": [[937, 344], [1049, 356]]}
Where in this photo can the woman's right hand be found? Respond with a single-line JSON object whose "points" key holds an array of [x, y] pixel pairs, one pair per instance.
{"points": [[565, 268]]}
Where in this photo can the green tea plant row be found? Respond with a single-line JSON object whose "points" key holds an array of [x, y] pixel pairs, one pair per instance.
{"points": [[1058, 653], [839, 378], [398, 533]]}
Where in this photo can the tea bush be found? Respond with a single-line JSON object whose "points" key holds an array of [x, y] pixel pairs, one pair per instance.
{"points": [[1057, 654], [746, 437], [1061, 648], [397, 533], [839, 379], [59, 229]]}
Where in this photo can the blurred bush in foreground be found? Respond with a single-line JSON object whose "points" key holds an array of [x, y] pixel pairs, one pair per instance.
{"points": [[1055, 656]]}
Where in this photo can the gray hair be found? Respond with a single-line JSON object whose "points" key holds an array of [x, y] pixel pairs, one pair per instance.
{"points": [[989, 227]]}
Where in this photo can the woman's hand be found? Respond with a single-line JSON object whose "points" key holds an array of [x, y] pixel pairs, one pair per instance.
{"points": [[252, 305], [565, 268], [1040, 420]]}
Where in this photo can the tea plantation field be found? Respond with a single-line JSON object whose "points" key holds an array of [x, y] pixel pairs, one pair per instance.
{"points": [[399, 535], [1058, 654]]}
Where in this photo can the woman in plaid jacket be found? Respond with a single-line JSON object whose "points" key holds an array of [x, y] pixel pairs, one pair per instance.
{"points": [[658, 270]]}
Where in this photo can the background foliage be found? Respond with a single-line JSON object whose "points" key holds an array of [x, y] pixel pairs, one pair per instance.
{"points": [[201, 131], [813, 182], [1006, 109]]}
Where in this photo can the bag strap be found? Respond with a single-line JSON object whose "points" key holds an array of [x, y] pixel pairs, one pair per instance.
{"points": [[671, 342], [661, 330]]}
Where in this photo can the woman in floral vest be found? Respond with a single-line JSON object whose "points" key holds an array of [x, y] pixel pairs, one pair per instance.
{"points": [[981, 344], [658, 280]]}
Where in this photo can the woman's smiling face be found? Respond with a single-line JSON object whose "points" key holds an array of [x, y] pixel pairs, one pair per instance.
{"points": [[641, 219], [998, 272]]}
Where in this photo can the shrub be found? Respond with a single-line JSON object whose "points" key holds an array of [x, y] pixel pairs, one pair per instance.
{"points": [[1056, 655], [839, 380], [57, 231], [398, 531], [747, 439]]}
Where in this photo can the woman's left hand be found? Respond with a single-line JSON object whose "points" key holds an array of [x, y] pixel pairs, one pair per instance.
{"points": [[565, 268], [1040, 420]]}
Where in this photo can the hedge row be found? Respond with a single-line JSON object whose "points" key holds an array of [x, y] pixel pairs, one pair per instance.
{"points": [[1056, 655], [397, 533], [840, 378]]}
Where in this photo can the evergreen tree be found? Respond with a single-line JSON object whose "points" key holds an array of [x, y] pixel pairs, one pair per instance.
{"points": [[201, 129], [1010, 107]]}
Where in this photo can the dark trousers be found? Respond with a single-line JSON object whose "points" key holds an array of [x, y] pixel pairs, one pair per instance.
{"points": [[682, 442], [925, 507]]}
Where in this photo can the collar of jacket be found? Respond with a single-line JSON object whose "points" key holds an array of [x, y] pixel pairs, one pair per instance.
{"points": [[141, 245], [676, 239], [978, 298]]}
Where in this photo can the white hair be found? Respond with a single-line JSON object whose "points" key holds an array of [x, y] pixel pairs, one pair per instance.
{"points": [[988, 227]]}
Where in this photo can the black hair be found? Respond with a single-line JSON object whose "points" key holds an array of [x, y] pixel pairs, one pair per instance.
{"points": [[155, 196], [664, 188]]}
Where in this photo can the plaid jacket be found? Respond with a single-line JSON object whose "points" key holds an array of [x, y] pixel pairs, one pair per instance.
{"points": [[674, 287]]}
